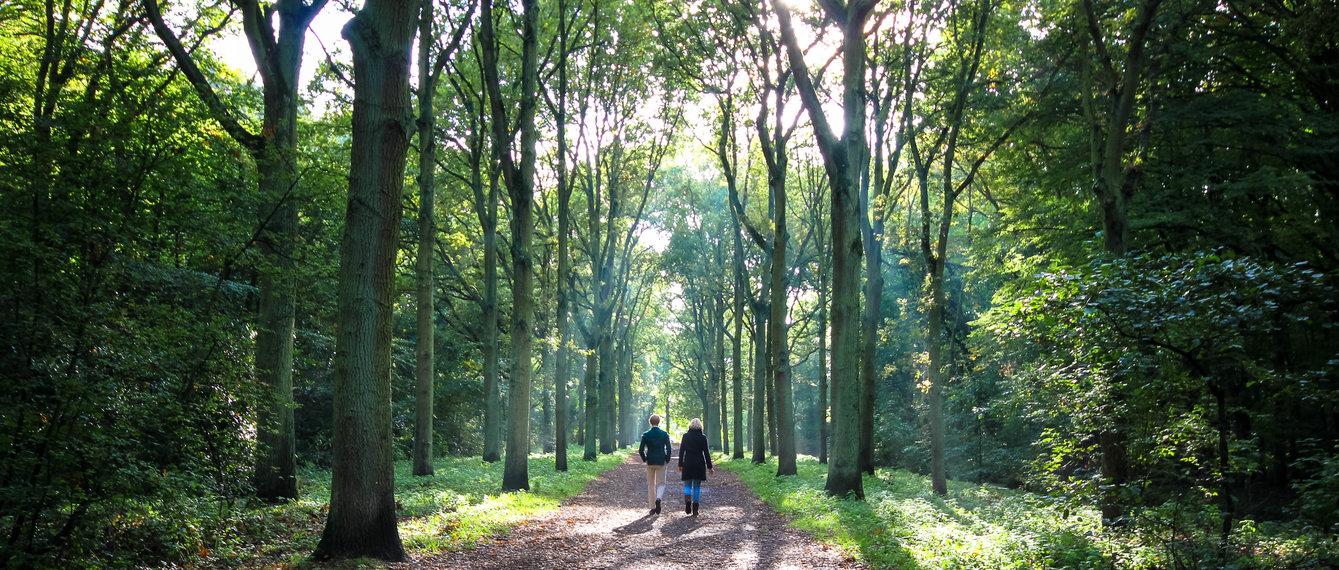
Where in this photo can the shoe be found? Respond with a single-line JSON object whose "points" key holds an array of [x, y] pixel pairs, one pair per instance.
{"points": [[656, 510], [687, 505], [694, 509]]}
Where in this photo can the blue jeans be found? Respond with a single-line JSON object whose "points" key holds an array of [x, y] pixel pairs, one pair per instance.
{"points": [[694, 488]]}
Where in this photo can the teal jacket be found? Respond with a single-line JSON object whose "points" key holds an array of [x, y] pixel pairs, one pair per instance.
{"points": [[655, 448]]}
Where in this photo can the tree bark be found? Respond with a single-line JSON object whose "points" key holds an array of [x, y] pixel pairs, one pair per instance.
{"points": [[1114, 183], [777, 336], [759, 420], [605, 382], [492, 375], [843, 159], [722, 396], [278, 59], [624, 389], [736, 348], [362, 496], [423, 347], [520, 181], [563, 368], [871, 232], [822, 357], [589, 379]]}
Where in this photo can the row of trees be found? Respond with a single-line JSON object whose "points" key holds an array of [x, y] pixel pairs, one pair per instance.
{"points": [[1083, 246], [1078, 207], [225, 215]]}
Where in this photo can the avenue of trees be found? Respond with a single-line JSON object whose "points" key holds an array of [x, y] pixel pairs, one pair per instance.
{"points": [[1084, 247]]}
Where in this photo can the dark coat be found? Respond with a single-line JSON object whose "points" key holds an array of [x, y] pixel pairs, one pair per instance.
{"points": [[655, 448], [694, 456]]}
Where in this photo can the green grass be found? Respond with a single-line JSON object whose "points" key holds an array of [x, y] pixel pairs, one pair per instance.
{"points": [[903, 524], [461, 506]]}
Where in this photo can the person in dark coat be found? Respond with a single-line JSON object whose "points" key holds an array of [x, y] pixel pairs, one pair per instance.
{"points": [[655, 451], [694, 463]]}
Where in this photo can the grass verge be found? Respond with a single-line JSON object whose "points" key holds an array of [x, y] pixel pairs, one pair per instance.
{"points": [[903, 524], [460, 506]]}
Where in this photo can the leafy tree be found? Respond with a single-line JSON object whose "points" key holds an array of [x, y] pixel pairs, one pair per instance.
{"points": [[1194, 326], [128, 389], [278, 55]]}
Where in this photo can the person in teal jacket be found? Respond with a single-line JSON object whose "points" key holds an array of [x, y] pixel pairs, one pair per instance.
{"points": [[655, 451]]}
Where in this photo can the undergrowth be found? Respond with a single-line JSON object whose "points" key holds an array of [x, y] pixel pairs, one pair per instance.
{"points": [[458, 507], [902, 524]]}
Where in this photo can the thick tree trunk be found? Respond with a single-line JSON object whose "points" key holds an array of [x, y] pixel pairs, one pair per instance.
{"points": [[276, 159], [625, 428], [844, 160], [934, 345], [770, 391], [725, 414], [278, 59], [722, 395], [520, 181], [275, 476], [362, 496], [711, 403]]}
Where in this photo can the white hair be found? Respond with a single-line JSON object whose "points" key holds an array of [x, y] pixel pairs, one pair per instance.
{"points": [[695, 424]]}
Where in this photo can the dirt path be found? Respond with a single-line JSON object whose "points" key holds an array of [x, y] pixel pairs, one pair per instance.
{"points": [[608, 526]]}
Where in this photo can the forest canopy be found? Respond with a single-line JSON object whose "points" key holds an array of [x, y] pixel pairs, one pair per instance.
{"points": [[1083, 248]]}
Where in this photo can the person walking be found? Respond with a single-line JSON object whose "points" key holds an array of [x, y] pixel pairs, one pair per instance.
{"points": [[655, 451], [694, 463]]}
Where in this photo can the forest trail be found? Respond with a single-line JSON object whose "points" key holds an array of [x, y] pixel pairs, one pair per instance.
{"points": [[608, 526]]}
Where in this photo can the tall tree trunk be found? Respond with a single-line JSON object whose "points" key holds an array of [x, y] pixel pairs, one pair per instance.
{"points": [[362, 494], [1114, 183], [776, 335], [710, 401], [492, 374], [871, 233], [423, 348], [605, 383], [520, 186], [843, 159], [770, 390], [546, 430], [278, 59], [736, 348], [822, 358], [624, 390], [935, 347], [563, 369], [722, 396]]}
